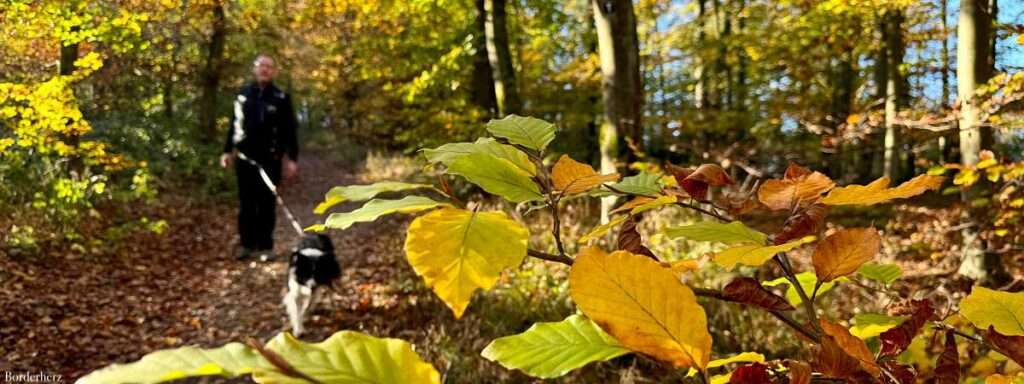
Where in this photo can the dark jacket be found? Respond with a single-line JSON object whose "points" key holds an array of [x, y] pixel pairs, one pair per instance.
{"points": [[264, 124]]}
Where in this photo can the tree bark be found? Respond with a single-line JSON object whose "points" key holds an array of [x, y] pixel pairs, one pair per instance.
{"points": [[895, 89], [500, 58], [212, 75], [973, 69], [622, 87], [483, 79]]}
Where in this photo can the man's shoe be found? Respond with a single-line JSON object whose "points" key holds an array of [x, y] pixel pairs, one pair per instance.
{"points": [[265, 255], [243, 253]]}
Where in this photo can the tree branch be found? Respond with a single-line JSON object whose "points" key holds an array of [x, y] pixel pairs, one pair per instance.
{"points": [[783, 261], [782, 316], [549, 257]]}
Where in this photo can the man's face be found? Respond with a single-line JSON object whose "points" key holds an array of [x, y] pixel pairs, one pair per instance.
{"points": [[263, 69]]}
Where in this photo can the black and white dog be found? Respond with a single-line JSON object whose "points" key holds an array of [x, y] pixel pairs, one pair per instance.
{"points": [[312, 264]]}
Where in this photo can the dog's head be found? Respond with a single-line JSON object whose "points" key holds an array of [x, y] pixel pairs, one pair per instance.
{"points": [[318, 242]]}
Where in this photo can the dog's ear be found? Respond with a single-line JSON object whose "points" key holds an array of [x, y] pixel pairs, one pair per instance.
{"points": [[325, 243]]}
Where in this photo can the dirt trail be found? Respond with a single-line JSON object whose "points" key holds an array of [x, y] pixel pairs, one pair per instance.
{"points": [[69, 314]]}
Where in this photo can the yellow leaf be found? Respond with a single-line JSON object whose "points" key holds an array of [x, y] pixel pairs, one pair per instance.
{"points": [[658, 202], [1002, 310], [754, 254], [879, 192], [796, 188], [458, 251], [641, 304], [572, 177], [841, 253], [602, 229]]}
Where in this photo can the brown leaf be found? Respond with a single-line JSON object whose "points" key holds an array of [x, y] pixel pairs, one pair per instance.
{"points": [[1011, 346], [755, 373], [630, 239], [749, 291], [898, 373], [799, 372], [800, 186], [852, 345], [841, 253], [947, 367], [896, 340], [707, 175], [832, 361], [803, 223]]}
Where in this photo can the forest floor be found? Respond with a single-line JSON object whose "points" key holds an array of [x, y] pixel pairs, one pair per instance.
{"points": [[71, 314]]}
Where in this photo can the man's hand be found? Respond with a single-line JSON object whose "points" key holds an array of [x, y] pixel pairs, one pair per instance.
{"points": [[289, 169], [226, 160]]}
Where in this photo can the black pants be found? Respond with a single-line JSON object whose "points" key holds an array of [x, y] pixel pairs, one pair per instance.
{"points": [[257, 211]]}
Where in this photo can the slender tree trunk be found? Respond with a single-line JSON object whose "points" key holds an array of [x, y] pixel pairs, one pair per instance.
{"points": [[483, 80], [68, 56], [700, 88], [500, 58], [212, 75], [621, 83], [944, 57], [895, 89], [973, 69]]}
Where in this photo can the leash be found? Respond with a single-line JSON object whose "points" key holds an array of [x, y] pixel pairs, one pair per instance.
{"points": [[273, 189]]}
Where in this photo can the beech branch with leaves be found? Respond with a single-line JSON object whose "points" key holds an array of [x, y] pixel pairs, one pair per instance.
{"points": [[631, 300]]}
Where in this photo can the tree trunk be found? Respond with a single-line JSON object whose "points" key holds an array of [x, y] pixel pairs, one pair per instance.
{"points": [[972, 70], [621, 84], [483, 80], [500, 58], [212, 76], [895, 89]]}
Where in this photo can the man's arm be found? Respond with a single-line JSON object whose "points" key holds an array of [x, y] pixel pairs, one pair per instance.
{"points": [[236, 125]]}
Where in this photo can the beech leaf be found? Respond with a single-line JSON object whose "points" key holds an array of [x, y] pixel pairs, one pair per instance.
{"points": [[641, 304], [841, 253]]}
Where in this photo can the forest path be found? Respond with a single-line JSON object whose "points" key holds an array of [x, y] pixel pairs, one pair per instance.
{"points": [[70, 314]]}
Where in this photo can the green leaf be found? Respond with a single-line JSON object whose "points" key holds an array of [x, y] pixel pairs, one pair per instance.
{"points": [[643, 184], [549, 350], [496, 176], [349, 357], [732, 233], [446, 154], [458, 251], [807, 281], [338, 195], [868, 325], [1002, 310], [882, 273], [526, 131], [376, 208], [231, 360]]}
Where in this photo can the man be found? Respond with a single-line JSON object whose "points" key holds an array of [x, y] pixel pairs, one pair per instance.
{"points": [[263, 130]]}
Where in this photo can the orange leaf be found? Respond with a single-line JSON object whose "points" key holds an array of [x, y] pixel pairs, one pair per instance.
{"points": [[841, 253], [707, 175], [879, 192], [799, 372], [803, 223], [800, 186], [852, 345], [572, 177]]}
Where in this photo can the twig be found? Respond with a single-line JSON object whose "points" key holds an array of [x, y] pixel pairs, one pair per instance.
{"points": [[549, 257], [782, 316], [704, 211], [783, 261]]}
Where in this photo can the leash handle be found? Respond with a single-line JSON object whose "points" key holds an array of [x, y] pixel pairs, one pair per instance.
{"points": [[273, 189]]}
